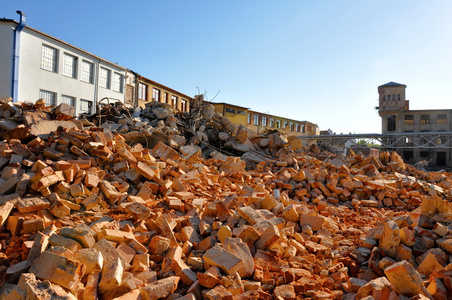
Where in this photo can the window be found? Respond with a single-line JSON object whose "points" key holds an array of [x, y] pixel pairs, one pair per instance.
{"points": [[297, 127], [407, 155], [249, 119], [117, 82], [272, 122], [68, 100], [69, 65], [398, 97], [391, 126], [278, 123], [441, 119], [85, 106], [425, 119], [264, 121], [285, 124], [256, 120], [155, 95], [87, 71], [142, 91], [425, 154], [49, 58], [291, 126], [174, 102], [409, 120], [384, 97], [105, 78], [166, 98], [49, 97], [393, 97], [302, 128], [230, 110], [183, 105], [241, 112]]}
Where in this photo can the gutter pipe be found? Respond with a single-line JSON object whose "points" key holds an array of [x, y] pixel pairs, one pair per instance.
{"points": [[16, 52]]}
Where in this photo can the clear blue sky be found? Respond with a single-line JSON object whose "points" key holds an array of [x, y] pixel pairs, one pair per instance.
{"points": [[320, 61]]}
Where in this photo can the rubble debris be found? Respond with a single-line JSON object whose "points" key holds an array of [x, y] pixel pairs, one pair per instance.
{"points": [[100, 216]]}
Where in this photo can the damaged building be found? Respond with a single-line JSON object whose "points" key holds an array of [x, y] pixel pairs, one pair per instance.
{"points": [[397, 117]]}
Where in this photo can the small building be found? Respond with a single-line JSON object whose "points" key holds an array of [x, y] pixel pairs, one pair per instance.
{"points": [[396, 117], [37, 65]]}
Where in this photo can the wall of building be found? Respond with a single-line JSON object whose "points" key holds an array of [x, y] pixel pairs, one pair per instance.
{"points": [[6, 57], [33, 78], [170, 93]]}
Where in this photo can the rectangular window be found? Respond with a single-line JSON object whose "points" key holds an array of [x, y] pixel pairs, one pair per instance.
{"points": [[143, 91], [409, 120], [183, 105], [85, 106], [297, 127], [264, 121], [278, 123], [230, 110], [285, 124], [49, 97], [49, 58], [441, 119], [241, 112], [87, 72], [425, 119], [291, 126], [249, 119], [155, 95], [174, 102], [256, 120], [105, 78], [384, 97], [391, 126], [70, 65], [166, 100], [398, 97], [272, 123], [117, 82], [68, 100]]}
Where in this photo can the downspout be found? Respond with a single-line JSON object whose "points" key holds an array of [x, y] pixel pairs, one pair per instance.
{"points": [[96, 86], [16, 52]]}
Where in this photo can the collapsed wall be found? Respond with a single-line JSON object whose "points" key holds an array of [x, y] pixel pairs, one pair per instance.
{"points": [[151, 204]]}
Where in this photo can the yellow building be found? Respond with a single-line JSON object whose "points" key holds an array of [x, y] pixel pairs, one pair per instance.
{"points": [[259, 122]]}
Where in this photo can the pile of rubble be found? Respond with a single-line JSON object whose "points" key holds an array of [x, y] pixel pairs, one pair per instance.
{"points": [[88, 213]]}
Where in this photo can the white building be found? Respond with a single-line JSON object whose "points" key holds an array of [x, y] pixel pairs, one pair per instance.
{"points": [[36, 65]]}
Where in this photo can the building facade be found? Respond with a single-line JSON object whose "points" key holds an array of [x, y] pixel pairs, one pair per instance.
{"points": [[146, 90], [396, 117], [259, 122], [36, 65]]}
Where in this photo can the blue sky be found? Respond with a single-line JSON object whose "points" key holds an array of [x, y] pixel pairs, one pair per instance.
{"points": [[320, 61]]}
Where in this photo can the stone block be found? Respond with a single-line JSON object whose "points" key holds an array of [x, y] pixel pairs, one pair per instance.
{"points": [[111, 277], [223, 259], [160, 288], [58, 269], [404, 278], [91, 259]]}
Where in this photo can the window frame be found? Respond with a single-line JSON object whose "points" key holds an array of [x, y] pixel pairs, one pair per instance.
{"points": [[155, 95], [73, 101], [69, 65], [174, 101], [89, 72], [90, 106], [117, 82], [256, 120], [49, 63], [42, 92], [142, 91], [107, 79]]}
